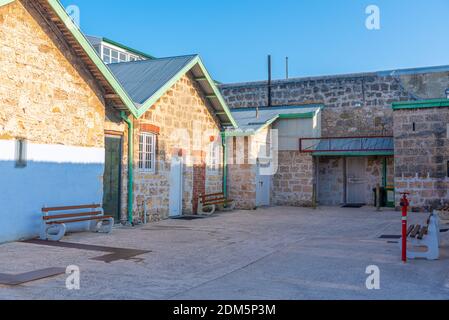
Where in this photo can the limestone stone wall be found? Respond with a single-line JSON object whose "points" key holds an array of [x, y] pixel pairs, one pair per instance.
{"points": [[46, 96], [242, 171], [186, 127], [422, 155], [293, 183], [354, 104]]}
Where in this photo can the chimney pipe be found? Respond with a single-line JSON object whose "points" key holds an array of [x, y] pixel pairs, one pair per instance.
{"points": [[269, 81]]}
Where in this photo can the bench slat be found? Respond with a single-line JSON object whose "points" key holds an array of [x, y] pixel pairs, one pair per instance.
{"points": [[415, 231], [423, 232], [91, 206], [79, 220], [410, 229], [72, 215], [212, 195], [218, 202]]}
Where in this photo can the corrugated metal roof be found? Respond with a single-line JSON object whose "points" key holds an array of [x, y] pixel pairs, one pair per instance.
{"points": [[247, 120], [142, 79]]}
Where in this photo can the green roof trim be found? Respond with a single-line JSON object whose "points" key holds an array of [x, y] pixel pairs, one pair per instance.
{"points": [[308, 115], [217, 95], [354, 154], [5, 2], [436, 103], [124, 47], [90, 51]]}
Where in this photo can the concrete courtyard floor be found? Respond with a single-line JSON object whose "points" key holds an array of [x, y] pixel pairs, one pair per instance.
{"points": [[273, 253]]}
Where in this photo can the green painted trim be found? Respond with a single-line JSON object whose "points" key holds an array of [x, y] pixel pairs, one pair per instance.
{"points": [[225, 164], [5, 2], [436, 103], [196, 61], [308, 115], [354, 154], [239, 133], [130, 165], [124, 47], [85, 44]]}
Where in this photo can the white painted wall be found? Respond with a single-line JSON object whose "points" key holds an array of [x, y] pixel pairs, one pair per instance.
{"points": [[291, 130], [55, 175]]}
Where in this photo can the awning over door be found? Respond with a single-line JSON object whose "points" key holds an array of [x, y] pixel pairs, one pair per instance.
{"points": [[348, 146]]}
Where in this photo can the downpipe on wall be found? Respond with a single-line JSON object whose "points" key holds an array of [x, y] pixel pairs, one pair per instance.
{"points": [[130, 165], [225, 164]]}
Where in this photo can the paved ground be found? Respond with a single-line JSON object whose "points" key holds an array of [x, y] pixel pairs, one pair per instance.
{"points": [[275, 253]]}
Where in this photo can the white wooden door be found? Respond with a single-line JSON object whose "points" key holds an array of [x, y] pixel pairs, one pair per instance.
{"points": [[176, 189], [263, 184], [356, 180]]}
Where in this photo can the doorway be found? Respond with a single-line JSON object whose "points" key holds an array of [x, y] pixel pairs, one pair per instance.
{"points": [[112, 177], [176, 188], [356, 181], [263, 183]]}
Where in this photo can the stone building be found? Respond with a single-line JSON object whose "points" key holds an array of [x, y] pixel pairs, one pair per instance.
{"points": [[54, 93], [265, 166], [174, 149], [355, 151], [421, 138]]}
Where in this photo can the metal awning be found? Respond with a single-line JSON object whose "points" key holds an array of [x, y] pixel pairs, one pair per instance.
{"points": [[348, 146]]}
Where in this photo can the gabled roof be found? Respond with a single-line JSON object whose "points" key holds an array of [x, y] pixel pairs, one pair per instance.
{"points": [[252, 120], [143, 79], [54, 13], [97, 40], [148, 80]]}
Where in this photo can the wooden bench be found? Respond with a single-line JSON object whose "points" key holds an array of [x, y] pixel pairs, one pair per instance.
{"points": [[427, 236], [209, 203], [55, 220]]}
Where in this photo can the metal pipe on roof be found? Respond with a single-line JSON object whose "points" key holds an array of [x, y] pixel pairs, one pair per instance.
{"points": [[269, 81]]}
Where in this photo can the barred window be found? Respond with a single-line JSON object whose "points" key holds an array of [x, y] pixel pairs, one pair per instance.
{"points": [[147, 152]]}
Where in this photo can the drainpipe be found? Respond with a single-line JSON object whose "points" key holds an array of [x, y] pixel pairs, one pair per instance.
{"points": [[225, 164], [130, 165]]}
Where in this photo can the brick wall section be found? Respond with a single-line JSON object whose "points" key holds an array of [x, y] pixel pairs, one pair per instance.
{"points": [[199, 178], [422, 155], [293, 183], [45, 94], [341, 95], [182, 107]]}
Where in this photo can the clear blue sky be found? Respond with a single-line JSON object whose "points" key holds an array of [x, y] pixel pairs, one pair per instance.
{"points": [[319, 36]]}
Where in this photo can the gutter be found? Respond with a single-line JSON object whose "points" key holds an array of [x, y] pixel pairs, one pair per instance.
{"points": [[130, 165]]}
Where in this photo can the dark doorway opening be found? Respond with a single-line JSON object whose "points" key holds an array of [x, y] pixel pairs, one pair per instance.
{"points": [[112, 177]]}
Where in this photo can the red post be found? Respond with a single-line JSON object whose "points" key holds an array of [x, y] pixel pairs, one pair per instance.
{"points": [[404, 204]]}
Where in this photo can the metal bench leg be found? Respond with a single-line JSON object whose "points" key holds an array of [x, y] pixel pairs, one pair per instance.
{"points": [[55, 232], [104, 226], [229, 207]]}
